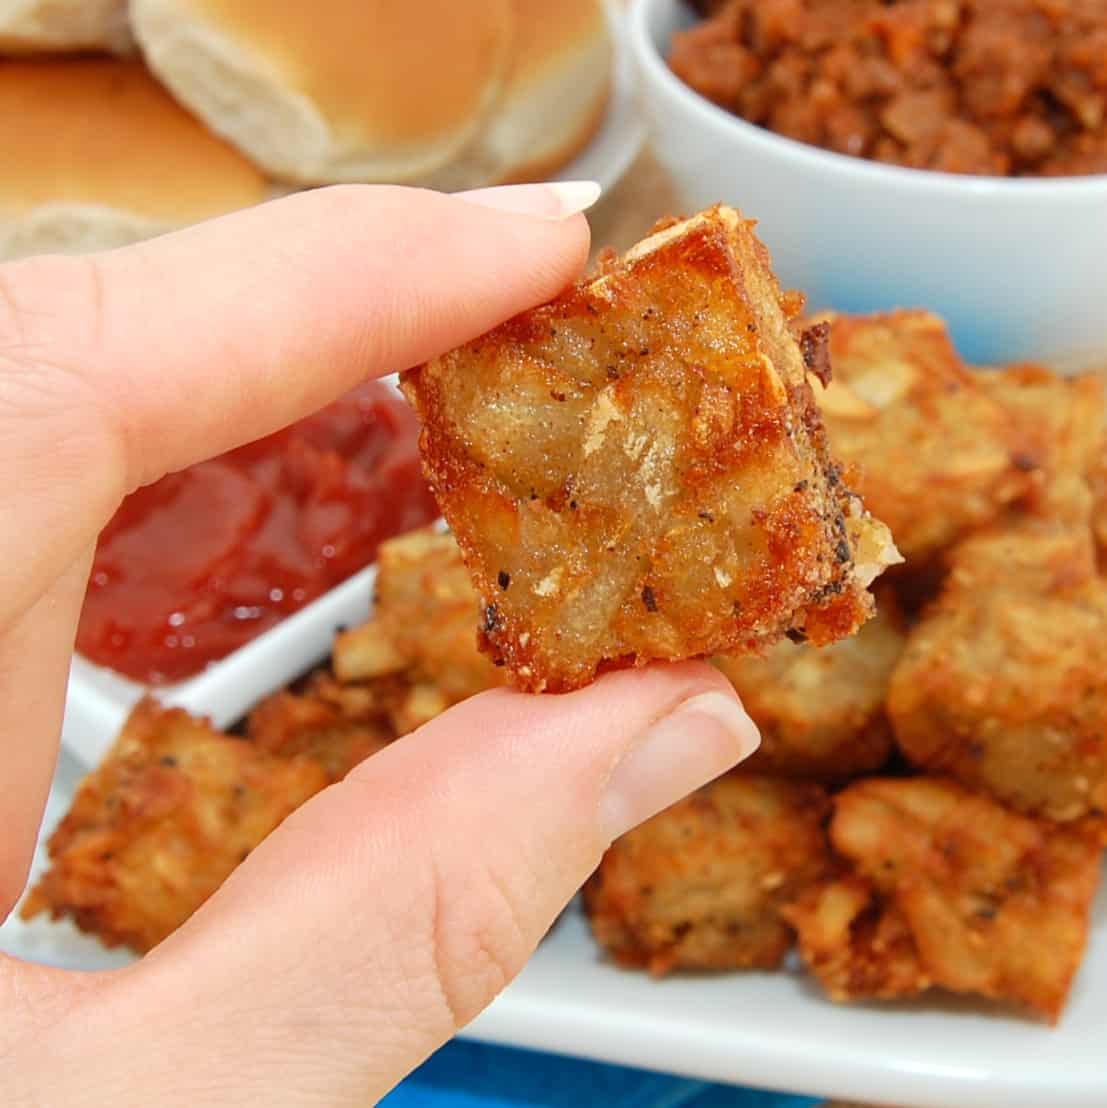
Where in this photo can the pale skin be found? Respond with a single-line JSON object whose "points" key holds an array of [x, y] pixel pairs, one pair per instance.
{"points": [[391, 909]]}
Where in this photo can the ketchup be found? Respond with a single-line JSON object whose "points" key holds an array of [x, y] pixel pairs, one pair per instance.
{"points": [[199, 563]]}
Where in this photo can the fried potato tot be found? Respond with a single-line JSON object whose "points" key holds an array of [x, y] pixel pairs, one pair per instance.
{"points": [[820, 710], [1002, 683], [1059, 421], [1097, 482], [637, 470], [855, 943], [159, 826], [950, 891], [336, 726], [935, 453], [427, 603], [701, 885], [423, 631]]}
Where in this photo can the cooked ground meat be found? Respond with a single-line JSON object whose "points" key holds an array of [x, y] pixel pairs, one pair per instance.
{"points": [[997, 87]]}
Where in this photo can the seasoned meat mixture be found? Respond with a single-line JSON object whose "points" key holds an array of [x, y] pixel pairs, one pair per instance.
{"points": [[997, 87]]}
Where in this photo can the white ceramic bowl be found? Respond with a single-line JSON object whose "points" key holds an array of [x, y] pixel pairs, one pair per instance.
{"points": [[1017, 266]]}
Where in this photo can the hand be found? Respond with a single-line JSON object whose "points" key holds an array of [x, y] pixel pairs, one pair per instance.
{"points": [[389, 910]]}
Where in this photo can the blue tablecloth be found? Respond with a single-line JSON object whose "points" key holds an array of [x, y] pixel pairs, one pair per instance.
{"points": [[472, 1075]]}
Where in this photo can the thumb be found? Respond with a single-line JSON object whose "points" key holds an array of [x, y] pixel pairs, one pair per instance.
{"points": [[390, 910]]}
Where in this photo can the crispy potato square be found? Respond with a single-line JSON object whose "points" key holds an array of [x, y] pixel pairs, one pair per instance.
{"points": [[855, 943], [426, 601], [159, 826], [1002, 682], [1097, 481], [820, 710], [1059, 421], [701, 885], [932, 451], [423, 631], [950, 891], [637, 470]]}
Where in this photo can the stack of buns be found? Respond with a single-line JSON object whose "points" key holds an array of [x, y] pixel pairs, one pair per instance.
{"points": [[38, 26], [213, 105]]}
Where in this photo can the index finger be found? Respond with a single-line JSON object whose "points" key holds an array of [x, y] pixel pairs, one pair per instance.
{"points": [[228, 330], [119, 368]]}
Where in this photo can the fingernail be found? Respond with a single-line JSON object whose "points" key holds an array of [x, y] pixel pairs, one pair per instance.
{"points": [[550, 200], [700, 739]]}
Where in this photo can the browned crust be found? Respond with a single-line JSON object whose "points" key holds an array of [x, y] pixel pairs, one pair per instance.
{"points": [[156, 829], [752, 409], [702, 886], [1001, 682]]}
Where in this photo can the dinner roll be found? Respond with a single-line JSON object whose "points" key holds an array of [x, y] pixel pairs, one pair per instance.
{"points": [[556, 95], [334, 90], [46, 25], [101, 155]]}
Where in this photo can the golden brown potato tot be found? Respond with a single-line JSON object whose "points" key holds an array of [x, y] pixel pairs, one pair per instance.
{"points": [[935, 454], [420, 648], [337, 726], [701, 885], [1060, 421], [950, 891], [820, 710], [159, 826], [1002, 682], [637, 470], [365, 652]]}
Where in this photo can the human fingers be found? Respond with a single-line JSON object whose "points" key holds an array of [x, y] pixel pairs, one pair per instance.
{"points": [[392, 908], [120, 367], [34, 664]]}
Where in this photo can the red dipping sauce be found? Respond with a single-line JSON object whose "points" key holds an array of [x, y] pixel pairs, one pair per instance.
{"points": [[194, 566]]}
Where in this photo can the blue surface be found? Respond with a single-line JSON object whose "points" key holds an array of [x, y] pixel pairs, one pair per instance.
{"points": [[473, 1075]]}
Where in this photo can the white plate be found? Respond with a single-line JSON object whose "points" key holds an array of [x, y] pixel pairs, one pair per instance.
{"points": [[776, 1031]]}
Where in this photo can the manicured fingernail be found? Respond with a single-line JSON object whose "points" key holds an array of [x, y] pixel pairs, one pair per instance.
{"points": [[550, 200], [700, 739]]}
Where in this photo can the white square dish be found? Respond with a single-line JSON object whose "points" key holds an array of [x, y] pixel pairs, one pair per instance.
{"points": [[777, 1031], [99, 700]]}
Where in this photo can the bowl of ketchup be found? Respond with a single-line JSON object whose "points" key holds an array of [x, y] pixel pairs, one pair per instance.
{"points": [[196, 565]]}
